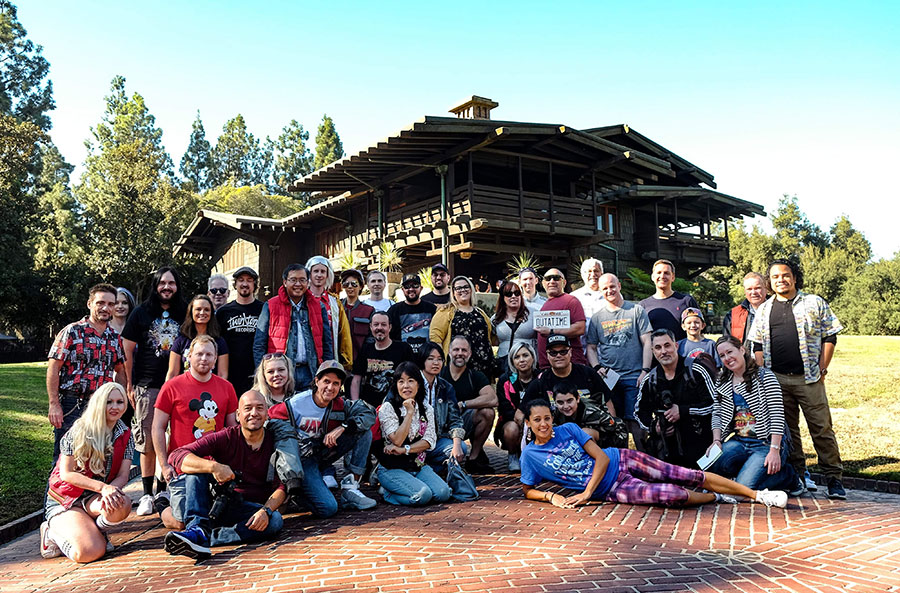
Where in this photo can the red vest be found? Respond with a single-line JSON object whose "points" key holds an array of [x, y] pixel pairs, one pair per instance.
{"points": [[66, 494], [280, 323], [739, 316]]}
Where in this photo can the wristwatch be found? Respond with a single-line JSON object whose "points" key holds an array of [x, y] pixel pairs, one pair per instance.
{"points": [[645, 369], [407, 449], [268, 511]]}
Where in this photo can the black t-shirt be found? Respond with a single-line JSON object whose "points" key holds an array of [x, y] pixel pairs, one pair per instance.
{"points": [[785, 342], [376, 367], [238, 326], [154, 338], [411, 323], [583, 378], [436, 299], [468, 385]]}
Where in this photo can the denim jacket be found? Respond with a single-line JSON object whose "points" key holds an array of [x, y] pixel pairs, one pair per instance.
{"points": [[447, 420], [261, 339]]}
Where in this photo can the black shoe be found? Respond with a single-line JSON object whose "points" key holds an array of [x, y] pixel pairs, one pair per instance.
{"points": [[836, 489], [798, 488], [192, 542], [474, 467]]}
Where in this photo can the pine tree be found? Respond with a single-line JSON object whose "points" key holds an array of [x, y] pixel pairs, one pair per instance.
{"points": [[133, 211], [293, 159], [328, 144], [197, 160], [238, 157], [25, 92]]}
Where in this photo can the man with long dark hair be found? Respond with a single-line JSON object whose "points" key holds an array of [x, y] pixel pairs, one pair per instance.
{"points": [[794, 335], [148, 337]]}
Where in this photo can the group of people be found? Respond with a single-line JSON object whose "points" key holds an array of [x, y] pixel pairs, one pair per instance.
{"points": [[405, 392]]}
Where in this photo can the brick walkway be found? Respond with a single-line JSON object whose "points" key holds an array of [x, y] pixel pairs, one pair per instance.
{"points": [[502, 543]]}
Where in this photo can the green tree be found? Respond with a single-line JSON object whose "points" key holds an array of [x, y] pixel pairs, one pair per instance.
{"points": [[793, 230], [328, 144], [870, 301], [25, 92], [133, 211], [248, 200], [238, 157], [197, 160], [293, 159], [848, 239]]}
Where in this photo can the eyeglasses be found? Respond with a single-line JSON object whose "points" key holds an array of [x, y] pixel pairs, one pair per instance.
{"points": [[461, 289], [297, 281], [553, 278], [272, 355], [218, 290], [560, 352], [350, 284], [512, 294]]}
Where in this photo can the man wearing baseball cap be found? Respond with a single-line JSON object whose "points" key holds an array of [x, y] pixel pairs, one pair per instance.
{"points": [[313, 429], [237, 321], [440, 282], [411, 318]]}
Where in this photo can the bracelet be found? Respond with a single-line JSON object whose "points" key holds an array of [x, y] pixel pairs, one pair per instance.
{"points": [[776, 447], [550, 500]]}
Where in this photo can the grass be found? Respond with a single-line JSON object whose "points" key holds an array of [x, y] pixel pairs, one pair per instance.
{"points": [[861, 387]]}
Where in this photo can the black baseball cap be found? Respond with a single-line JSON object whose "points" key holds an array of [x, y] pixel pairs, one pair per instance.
{"points": [[439, 268], [412, 280], [554, 339]]}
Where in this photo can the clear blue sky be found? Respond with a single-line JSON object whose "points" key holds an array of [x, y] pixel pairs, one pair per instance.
{"points": [[771, 97]]}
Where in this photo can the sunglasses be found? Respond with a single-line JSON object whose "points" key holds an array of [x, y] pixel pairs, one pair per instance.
{"points": [[512, 294], [553, 277], [560, 352], [350, 284], [406, 286], [272, 355], [218, 290]]}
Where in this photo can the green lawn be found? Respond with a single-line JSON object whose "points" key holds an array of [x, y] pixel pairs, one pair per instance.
{"points": [[861, 384]]}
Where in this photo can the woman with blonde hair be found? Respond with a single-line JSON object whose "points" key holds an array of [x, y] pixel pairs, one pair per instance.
{"points": [[461, 317], [274, 378], [84, 497]]}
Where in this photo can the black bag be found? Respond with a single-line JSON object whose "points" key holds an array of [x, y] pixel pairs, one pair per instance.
{"points": [[461, 483]]}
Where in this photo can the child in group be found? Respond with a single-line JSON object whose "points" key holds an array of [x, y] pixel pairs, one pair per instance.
{"points": [[595, 420], [693, 324]]}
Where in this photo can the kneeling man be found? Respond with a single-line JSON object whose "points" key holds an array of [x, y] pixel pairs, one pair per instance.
{"points": [[234, 462]]}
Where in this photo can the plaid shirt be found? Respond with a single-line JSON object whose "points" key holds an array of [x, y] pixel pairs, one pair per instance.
{"points": [[814, 321], [88, 359]]}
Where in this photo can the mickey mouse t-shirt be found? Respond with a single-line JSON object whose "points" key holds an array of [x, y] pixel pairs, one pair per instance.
{"points": [[195, 408]]}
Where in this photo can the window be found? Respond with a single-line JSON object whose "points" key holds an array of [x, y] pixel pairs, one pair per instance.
{"points": [[607, 220]]}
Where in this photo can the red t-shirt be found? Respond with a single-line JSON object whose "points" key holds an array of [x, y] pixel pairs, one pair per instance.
{"points": [[576, 314], [195, 408]]}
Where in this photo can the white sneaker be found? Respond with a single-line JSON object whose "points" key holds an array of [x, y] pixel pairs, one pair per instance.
{"points": [[145, 506], [49, 549], [512, 462], [810, 483], [352, 497], [772, 498]]}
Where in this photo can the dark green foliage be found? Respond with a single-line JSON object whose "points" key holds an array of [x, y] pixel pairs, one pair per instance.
{"points": [[196, 163], [239, 158], [328, 144], [251, 200], [25, 94], [293, 158], [870, 300]]}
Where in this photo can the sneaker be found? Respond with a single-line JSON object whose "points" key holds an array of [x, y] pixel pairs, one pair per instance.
{"points": [[161, 501], [772, 498], [473, 467], [352, 497], [192, 542], [145, 506], [330, 482], [49, 549], [725, 499], [836, 489], [512, 462], [809, 482], [798, 489], [294, 486]]}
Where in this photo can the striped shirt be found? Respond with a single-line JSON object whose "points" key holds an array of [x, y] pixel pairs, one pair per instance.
{"points": [[765, 403]]}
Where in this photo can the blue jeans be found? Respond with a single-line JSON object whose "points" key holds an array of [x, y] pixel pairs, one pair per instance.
{"points": [[72, 408], [441, 452], [743, 460], [624, 396], [303, 377], [316, 494], [230, 528], [401, 487]]}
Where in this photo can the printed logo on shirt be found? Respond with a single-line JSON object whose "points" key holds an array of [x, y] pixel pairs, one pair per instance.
{"points": [[206, 410], [310, 424], [242, 324], [617, 331]]}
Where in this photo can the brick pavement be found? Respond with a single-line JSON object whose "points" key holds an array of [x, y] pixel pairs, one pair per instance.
{"points": [[502, 543]]}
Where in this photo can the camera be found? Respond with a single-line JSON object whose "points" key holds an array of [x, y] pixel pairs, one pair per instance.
{"points": [[224, 495]]}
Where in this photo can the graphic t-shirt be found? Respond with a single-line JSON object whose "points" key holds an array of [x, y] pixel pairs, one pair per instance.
{"points": [[617, 335], [744, 420], [689, 350], [576, 314], [583, 378], [376, 367], [195, 408], [563, 460], [307, 415], [155, 338], [238, 326], [666, 313], [411, 323]]}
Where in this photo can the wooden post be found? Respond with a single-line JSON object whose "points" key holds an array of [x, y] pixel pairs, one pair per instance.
{"points": [[656, 224], [594, 200], [675, 208], [521, 197], [471, 186], [550, 197], [708, 222]]}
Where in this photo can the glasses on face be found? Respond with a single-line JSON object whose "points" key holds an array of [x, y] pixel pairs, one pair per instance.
{"points": [[512, 293], [218, 290], [297, 281], [461, 289], [409, 286], [560, 352], [350, 284], [553, 278]]}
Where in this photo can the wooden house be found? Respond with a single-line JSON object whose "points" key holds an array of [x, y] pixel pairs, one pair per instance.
{"points": [[472, 192]]}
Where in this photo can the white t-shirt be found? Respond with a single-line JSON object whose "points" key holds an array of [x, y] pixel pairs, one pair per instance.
{"points": [[381, 306]]}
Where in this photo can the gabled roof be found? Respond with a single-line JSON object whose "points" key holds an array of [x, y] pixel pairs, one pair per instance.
{"points": [[208, 224]]}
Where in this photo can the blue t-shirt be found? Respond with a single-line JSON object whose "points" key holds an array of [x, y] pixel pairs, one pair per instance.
{"points": [[563, 460], [688, 349]]}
